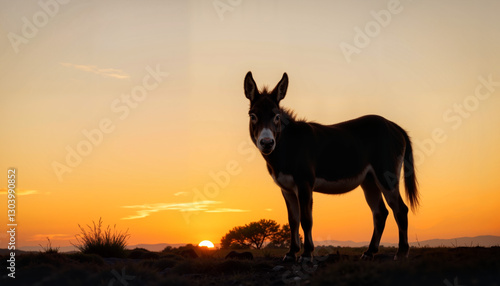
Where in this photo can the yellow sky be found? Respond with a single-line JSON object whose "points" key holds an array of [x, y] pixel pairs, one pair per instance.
{"points": [[134, 111]]}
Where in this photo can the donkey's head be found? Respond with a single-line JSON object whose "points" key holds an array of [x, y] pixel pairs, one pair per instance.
{"points": [[265, 113]]}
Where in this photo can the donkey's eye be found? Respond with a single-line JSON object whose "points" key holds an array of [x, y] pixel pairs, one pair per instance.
{"points": [[277, 119], [253, 117]]}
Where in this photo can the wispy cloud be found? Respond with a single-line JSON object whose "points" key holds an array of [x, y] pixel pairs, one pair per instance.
{"points": [[226, 210], [181, 194], [51, 236], [106, 72], [4, 191], [145, 210]]}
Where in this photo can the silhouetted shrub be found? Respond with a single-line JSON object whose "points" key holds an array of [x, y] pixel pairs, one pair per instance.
{"points": [[103, 242], [48, 248]]}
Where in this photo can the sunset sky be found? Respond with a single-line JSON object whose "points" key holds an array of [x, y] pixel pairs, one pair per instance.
{"points": [[134, 111]]}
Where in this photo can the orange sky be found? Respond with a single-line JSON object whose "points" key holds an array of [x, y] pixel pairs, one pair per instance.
{"points": [[157, 86]]}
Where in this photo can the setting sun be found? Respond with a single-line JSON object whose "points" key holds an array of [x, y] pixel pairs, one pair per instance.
{"points": [[206, 243]]}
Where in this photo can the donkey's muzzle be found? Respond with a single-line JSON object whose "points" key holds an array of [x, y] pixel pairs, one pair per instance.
{"points": [[267, 145]]}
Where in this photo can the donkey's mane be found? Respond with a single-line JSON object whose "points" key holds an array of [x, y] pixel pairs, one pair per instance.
{"points": [[289, 114]]}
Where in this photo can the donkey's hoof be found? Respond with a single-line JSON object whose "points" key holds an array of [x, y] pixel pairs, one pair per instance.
{"points": [[367, 256], [402, 255], [305, 259], [289, 258]]}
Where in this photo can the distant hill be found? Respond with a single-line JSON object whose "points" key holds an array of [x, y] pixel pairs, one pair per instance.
{"points": [[483, 240]]}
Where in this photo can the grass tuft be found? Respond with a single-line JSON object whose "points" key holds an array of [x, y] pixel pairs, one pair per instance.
{"points": [[49, 248], [103, 242]]}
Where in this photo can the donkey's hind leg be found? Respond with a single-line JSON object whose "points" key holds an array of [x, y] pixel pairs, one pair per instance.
{"points": [[373, 197], [400, 211]]}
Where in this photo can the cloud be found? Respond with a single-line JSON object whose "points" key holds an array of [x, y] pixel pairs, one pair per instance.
{"points": [[4, 191], [145, 210], [181, 194], [52, 236], [226, 210], [106, 72]]}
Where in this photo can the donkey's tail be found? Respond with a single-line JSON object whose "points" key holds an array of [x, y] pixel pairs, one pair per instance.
{"points": [[409, 173]]}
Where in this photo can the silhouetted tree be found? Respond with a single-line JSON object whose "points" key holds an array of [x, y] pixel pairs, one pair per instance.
{"points": [[258, 232], [254, 234], [282, 238], [235, 238]]}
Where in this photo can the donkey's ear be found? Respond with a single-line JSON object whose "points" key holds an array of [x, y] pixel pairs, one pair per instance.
{"points": [[250, 86], [281, 88]]}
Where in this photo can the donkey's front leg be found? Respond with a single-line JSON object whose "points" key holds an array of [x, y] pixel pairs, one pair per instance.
{"points": [[306, 202], [293, 207]]}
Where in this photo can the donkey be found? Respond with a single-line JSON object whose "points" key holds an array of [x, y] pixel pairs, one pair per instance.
{"points": [[303, 157]]}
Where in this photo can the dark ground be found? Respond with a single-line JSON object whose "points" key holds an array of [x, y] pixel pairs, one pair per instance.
{"points": [[465, 266]]}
